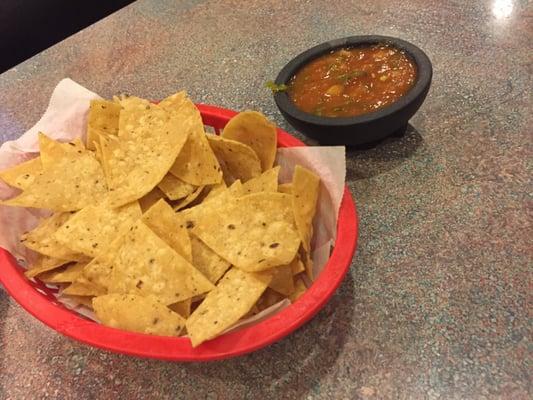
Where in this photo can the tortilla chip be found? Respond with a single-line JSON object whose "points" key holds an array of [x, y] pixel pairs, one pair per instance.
{"points": [[103, 120], [44, 264], [305, 187], [86, 301], [285, 188], [299, 289], [189, 199], [91, 229], [209, 263], [255, 130], [166, 224], [51, 150], [145, 265], [233, 297], [240, 160], [253, 232], [196, 164], [282, 281], [42, 239], [266, 182], [149, 199], [174, 188], [138, 314], [98, 272], [80, 288], [137, 162], [66, 274], [22, 175], [71, 182], [183, 308], [215, 190]]}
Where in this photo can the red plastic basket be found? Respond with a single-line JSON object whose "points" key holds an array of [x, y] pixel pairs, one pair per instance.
{"points": [[39, 301]]}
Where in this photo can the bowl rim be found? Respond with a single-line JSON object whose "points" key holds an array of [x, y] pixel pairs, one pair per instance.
{"points": [[43, 306], [423, 79]]}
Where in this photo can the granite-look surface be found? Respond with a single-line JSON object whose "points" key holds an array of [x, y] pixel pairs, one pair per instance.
{"points": [[438, 300]]}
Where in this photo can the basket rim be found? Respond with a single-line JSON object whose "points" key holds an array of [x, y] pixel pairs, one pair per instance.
{"points": [[239, 342]]}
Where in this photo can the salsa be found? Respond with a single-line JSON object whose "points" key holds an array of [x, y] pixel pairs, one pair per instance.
{"points": [[352, 81]]}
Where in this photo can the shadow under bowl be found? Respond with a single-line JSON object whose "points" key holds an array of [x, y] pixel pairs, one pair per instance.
{"points": [[365, 128]]}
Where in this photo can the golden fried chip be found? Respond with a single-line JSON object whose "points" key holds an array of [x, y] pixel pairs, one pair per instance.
{"points": [[73, 181], [189, 199], [103, 120], [86, 301], [66, 274], [282, 281], [196, 164], [232, 298], [23, 174], [80, 288], [145, 265], [240, 160], [44, 264], [174, 188], [285, 188], [166, 224], [305, 186], [149, 199], [42, 239], [299, 289], [209, 263], [253, 232], [266, 182], [137, 314], [255, 130], [137, 161], [183, 308], [91, 229], [51, 150], [215, 190]]}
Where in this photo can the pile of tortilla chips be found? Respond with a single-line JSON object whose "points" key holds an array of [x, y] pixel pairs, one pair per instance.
{"points": [[163, 229]]}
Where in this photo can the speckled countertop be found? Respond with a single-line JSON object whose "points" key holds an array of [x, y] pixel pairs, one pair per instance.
{"points": [[436, 302]]}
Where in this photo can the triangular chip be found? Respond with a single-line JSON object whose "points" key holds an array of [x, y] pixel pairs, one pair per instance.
{"points": [[196, 164], [166, 224], [233, 297], [72, 182], [23, 174], [66, 274], [215, 190], [138, 314], [51, 150], [253, 232], [44, 264], [282, 281], [42, 239], [255, 130], [188, 200], [305, 187], [103, 120], [145, 265], [239, 160], [142, 156], [266, 182], [80, 288], [209, 263], [174, 188], [91, 229]]}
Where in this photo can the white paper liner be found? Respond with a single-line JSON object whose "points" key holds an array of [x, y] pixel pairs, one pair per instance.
{"points": [[66, 119]]}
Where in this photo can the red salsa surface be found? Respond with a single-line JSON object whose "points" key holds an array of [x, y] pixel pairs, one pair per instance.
{"points": [[353, 81]]}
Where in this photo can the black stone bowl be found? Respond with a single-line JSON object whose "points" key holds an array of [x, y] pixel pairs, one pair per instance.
{"points": [[365, 128]]}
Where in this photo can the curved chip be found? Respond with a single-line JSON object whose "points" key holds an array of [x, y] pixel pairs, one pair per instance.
{"points": [[239, 159], [22, 175], [255, 130]]}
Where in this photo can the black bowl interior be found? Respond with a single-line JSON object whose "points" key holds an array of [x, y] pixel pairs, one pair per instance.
{"points": [[423, 79]]}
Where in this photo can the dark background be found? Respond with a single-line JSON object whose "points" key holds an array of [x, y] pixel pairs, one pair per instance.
{"points": [[30, 26]]}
